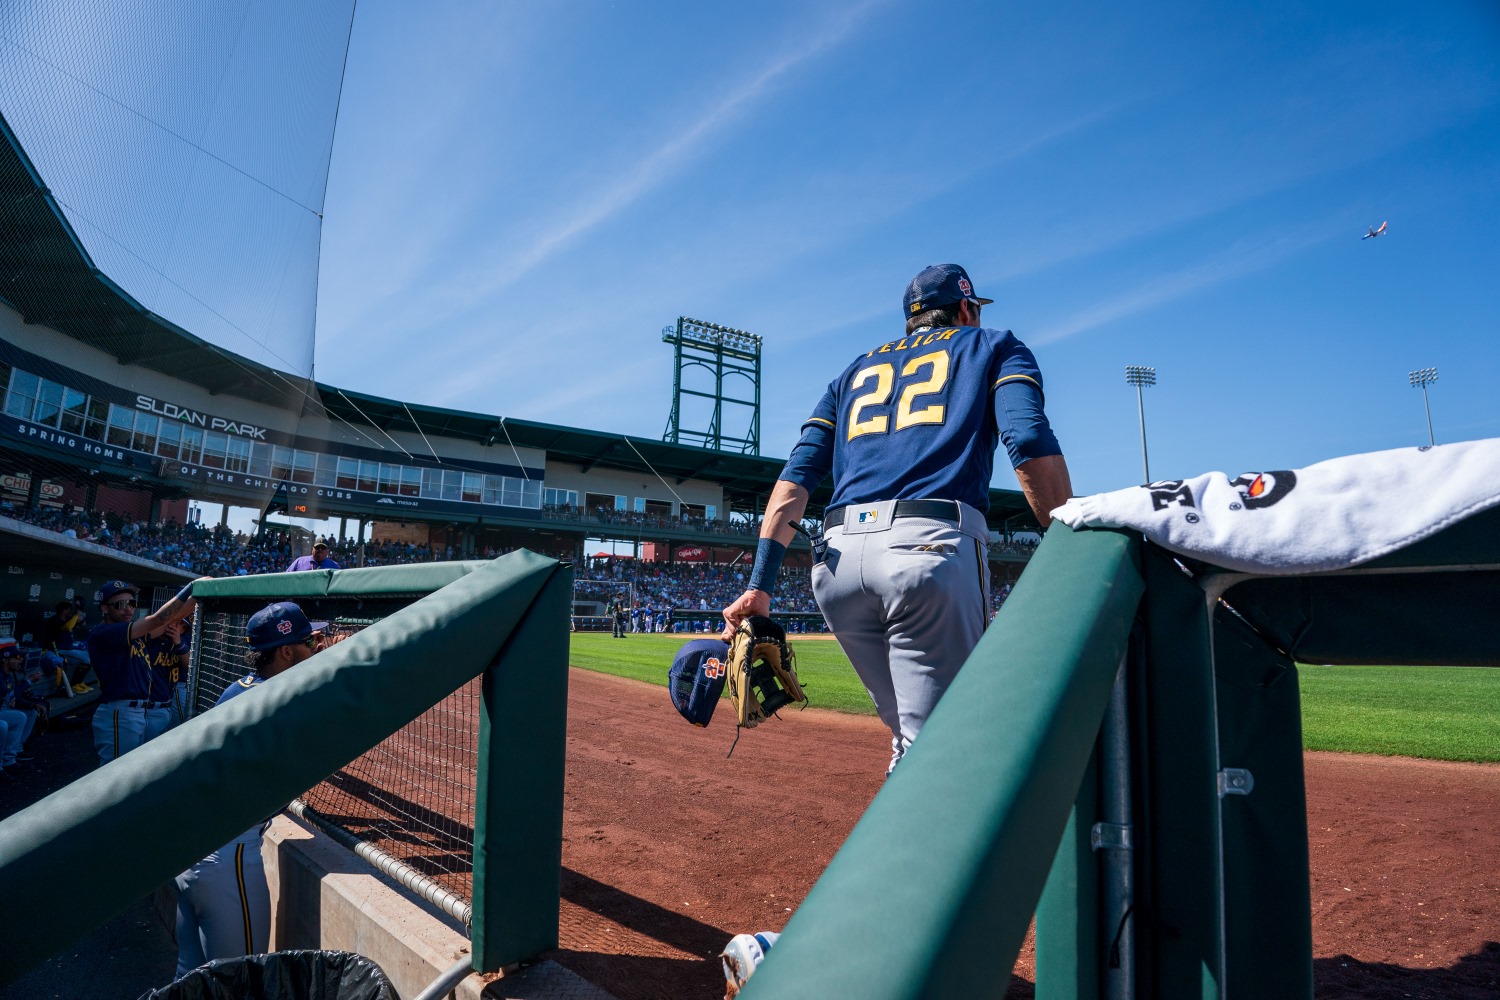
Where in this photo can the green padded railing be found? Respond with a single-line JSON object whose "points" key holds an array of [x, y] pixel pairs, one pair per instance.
{"points": [[932, 893], [180, 796]]}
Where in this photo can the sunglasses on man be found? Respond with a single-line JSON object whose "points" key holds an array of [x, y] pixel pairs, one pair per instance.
{"points": [[120, 605]]}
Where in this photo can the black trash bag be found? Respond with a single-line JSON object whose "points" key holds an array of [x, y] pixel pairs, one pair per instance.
{"points": [[282, 975]]}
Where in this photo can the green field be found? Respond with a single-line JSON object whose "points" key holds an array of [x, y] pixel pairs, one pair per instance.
{"points": [[1442, 713], [826, 675]]}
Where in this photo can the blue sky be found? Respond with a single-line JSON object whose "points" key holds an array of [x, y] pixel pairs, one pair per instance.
{"points": [[522, 195]]}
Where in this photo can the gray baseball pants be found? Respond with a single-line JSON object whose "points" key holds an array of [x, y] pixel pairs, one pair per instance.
{"points": [[908, 599]]}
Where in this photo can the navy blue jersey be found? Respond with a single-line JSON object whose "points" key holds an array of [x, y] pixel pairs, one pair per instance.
{"points": [[915, 419], [169, 660], [240, 687], [121, 664]]}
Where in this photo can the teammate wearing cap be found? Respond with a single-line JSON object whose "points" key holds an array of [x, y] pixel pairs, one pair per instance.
{"points": [[134, 703], [318, 560], [223, 902], [19, 710], [908, 431]]}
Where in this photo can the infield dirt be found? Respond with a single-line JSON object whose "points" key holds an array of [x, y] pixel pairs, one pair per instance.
{"points": [[661, 834]]}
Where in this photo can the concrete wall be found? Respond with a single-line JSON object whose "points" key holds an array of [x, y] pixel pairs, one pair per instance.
{"points": [[326, 897]]}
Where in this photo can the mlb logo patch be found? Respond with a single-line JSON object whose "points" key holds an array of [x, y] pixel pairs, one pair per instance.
{"points": [[869, 516]]}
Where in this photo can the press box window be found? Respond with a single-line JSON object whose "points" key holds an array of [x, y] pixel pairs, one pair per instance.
{"points": [[215, 445], [75, 406], [20, 401], [121, 424], [303, 465], [169, 439], [260, 460], [238, 458], [48, 403], [144, 438]]}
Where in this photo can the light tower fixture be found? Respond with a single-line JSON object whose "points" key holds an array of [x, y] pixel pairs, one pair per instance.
{"points": [[1421, 379], [1141, 376]]}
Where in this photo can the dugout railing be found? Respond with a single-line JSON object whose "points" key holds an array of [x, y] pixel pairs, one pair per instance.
{"points": [[1122, 758], [500, 627]]}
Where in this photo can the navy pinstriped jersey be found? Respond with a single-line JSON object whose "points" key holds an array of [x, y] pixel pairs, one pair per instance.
{"points": [[915, 419]]}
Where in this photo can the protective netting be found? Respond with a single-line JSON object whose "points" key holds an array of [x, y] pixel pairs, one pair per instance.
{"points": [[412, 796], [187, 142], [162, 173]]}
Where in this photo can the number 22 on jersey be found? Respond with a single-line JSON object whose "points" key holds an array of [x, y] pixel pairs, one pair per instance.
{"points": [[913, 388]]}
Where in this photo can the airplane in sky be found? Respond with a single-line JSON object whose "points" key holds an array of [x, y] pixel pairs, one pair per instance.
{"points": [[1374, 232]]}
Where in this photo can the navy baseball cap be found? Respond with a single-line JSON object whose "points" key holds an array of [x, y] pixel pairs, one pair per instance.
{"points": [[939, 285], [9, 648], [279, 624], [697, 677], [113, 587]]}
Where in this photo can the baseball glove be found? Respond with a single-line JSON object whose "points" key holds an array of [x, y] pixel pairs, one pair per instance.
{"points": [[762, 672]]}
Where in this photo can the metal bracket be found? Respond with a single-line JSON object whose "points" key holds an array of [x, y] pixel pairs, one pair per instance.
{"points": [[1235, 781], [1111, 837]]}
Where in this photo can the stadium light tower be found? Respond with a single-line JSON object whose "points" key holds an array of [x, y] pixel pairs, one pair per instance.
{"points": [[1419, 380], [1140, 376]]}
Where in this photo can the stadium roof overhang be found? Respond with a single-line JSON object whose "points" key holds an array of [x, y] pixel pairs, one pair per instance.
{"points": [[28, 545], [47, 276]]}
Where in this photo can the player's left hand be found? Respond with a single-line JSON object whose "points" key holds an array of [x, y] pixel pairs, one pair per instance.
{"points": [[751, 602]]}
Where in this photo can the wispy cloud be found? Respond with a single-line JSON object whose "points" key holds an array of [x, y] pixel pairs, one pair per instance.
{"points": [[1245, 257], [656, 166]]}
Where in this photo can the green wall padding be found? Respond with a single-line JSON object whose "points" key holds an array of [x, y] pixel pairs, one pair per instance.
{"points": [[175, 799], [933, 891]]}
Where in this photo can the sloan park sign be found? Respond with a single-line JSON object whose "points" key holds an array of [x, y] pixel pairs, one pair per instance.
{"points": [[171, 411]]}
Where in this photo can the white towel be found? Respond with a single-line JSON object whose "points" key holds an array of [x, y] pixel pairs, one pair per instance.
{"points": [[1331, 515]]}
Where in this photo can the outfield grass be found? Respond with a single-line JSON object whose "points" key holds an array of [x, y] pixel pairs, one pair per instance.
{"points": [[1441, 713], [826, 675]]}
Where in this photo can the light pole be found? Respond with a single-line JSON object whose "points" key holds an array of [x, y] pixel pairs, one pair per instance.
{"points": [[1419, 380], [1141, 376]]}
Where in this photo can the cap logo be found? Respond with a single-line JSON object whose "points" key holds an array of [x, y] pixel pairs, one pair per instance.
{"points": [[916, 306], [965, 287], [713, 667], [284, 627]]}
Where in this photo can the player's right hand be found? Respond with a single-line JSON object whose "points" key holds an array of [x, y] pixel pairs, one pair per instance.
{"points": [[751, 602]]}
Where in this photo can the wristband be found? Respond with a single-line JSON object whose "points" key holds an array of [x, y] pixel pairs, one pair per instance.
{"points": [[768, 555], [186, 593]]}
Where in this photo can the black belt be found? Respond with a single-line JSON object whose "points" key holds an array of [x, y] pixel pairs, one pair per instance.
{"points": [[943, 510], [148, 704]]}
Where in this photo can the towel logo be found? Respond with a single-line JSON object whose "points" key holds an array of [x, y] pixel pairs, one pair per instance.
{"points": [[1170, 493], [1264, 489]]}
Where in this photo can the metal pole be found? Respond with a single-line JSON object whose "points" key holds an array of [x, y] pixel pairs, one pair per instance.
{"points": [[1140, 403], [1113, 838], [1425, 406]]}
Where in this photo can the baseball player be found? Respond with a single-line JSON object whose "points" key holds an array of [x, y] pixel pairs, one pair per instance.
{"points": [[19, 710], [168, 653], [318, 560], [908, 431], [223, 902], [134, 703]]}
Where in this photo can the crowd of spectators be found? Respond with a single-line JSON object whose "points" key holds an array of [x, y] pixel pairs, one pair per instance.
{"points": [[676, 522], [661, 592], [218, 551]]}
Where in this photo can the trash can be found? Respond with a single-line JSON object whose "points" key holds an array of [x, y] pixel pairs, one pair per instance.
{"points": [[282, 975]]}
